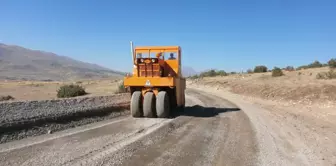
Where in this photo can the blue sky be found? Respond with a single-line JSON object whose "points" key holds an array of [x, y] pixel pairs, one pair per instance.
{"points": [[230, 35]]}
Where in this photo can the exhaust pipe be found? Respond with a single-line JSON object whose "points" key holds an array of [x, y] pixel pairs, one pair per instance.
{"points": [[132, 52]]}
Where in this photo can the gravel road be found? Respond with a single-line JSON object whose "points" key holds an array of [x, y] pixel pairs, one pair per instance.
{"points": [[21, 119], [211, 131]]}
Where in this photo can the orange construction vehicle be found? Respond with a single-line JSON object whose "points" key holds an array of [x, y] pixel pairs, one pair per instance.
{"points": [[156, 85]]}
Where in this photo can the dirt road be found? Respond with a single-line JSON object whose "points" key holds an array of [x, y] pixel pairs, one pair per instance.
{"points": [[211, 131]]}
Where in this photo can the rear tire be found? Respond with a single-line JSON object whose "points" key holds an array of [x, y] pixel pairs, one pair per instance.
{"points": [[162, 105], [136, 104], [149, 105]]}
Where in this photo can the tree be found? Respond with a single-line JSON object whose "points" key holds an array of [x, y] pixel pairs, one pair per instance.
{"points": [[221, 73], [277, 72], [315, 64], [332, 63]]}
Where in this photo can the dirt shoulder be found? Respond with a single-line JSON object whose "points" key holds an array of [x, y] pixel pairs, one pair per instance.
{"points": [[301, 130]]}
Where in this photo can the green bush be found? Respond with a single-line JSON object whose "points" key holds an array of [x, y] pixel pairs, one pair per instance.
{"points": [[315, 64], [277, 72], [326, 75], [121, 88], [5, 98], [289, 68], [211, 73], [332, 63], [221, 73], [260, 69], [70, 91]]}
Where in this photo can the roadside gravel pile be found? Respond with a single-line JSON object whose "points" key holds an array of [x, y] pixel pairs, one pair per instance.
{"points": [[20, 119]]}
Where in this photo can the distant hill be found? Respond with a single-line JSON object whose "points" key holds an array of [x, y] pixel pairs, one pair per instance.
{"points": [[18, 63], [188, 71]]}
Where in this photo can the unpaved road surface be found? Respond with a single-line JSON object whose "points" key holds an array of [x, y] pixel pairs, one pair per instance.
{"points": [[211, 131]]}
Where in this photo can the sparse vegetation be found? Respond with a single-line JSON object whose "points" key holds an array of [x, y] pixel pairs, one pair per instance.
{"points": [[211, 73], [332, 63], [71, 90], [249, 71], [260, 69], [121, 88], [194, 77], [289, 68], [302, 67], [315, 64], [221, 73], [331, 74], [5, 98], [277, 72]]}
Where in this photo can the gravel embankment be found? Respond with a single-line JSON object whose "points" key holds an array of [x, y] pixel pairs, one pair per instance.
{"points": [[20, 119]]}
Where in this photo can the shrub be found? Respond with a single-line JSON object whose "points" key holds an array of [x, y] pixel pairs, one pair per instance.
{"points": [[121, 88], [302, 67], [233, 72], [326, 75], [277, 72], [315, 64], [289, 68], [249, 71], [70, 91], [210, 73], [332, 63], [260, 69], [222, 73], [5, 98]]}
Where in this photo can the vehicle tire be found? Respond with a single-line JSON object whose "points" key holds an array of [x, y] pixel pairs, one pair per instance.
{"points": [[136, 104], [149, 105], [162, 105]]}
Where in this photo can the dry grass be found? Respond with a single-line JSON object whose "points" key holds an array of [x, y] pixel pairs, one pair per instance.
{"points": [[39, 90]]}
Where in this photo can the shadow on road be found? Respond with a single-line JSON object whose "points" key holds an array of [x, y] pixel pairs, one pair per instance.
{"points": [[200, 111]]}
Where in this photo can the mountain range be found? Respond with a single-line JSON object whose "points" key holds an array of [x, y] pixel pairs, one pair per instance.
{"points": [[19, 63]]}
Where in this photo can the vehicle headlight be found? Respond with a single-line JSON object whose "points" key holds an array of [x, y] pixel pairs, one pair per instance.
{"points": [[153, 60]]}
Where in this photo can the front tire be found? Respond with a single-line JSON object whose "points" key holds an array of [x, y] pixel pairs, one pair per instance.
{"points": [[136, 104], [149, 105], [162, 105]]}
